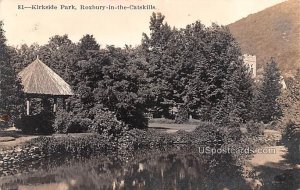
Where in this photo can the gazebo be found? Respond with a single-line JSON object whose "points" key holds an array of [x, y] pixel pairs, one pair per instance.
{"points": [[39, 81]]}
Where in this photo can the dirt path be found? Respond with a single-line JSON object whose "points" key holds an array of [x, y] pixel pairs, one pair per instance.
{"points": [[272, 169], [16, 142], [13, 138], [276, 159]]}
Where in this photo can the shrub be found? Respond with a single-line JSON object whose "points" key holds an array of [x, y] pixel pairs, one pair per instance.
{"points": [[41, 123], [137, 138], [66, 122], [61, 123], [289, 131], [3, 125], [103, 122], [106, 123], [291, 139], [183, 136], [79, 144], [182, 115], [210, 134], [254, 128], [206, 132]]}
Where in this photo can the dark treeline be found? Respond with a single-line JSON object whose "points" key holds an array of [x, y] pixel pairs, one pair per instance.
{"points": [[197, 69]]}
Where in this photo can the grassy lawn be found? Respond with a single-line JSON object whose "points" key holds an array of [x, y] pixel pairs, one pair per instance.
{"points": [[170, 125], [173, 127]]}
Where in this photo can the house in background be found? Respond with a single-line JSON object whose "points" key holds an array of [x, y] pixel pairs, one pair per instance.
{"points": [[250, 62], [282, 82]]}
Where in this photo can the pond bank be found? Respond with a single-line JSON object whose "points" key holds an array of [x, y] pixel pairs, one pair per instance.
{"points": [[89, 143], [176, 168], [25, 149]]}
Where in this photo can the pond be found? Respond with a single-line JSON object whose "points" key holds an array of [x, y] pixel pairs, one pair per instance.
{"points": [[145, 169]]}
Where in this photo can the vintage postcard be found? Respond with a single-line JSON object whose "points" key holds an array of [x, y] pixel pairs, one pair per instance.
{"points": [[149, 94]]}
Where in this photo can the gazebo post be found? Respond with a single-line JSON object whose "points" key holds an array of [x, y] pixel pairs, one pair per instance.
{"points": [[28, 106], [55, 105]]}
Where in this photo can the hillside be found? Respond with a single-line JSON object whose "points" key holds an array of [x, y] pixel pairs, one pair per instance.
{"points": [[273, 32]]}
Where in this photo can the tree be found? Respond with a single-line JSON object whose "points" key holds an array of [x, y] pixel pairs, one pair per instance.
{"points": [[220, 88], [87, 44], [267, 106], [86, 73], [290, 100], [160, 70], [61, 55], [122, 88], [23, 56], [11, 95], [199, 68]]}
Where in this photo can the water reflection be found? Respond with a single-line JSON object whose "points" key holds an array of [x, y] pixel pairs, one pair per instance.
{"points": [[173, 169]]}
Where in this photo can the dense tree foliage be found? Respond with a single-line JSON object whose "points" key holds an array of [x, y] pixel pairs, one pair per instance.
{"points": [[290, 100], [267, 105], [122, 88], [160, 70], [11, 96], [197, 70]]}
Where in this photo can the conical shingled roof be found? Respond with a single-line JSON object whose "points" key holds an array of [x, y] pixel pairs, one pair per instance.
{"points": [[38, 78]]}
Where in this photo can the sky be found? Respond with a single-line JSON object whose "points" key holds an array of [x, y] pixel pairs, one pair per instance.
{"points": [[115, 27]]}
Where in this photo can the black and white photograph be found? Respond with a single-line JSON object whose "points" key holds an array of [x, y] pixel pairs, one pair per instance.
{"points": [[149, 95]]}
